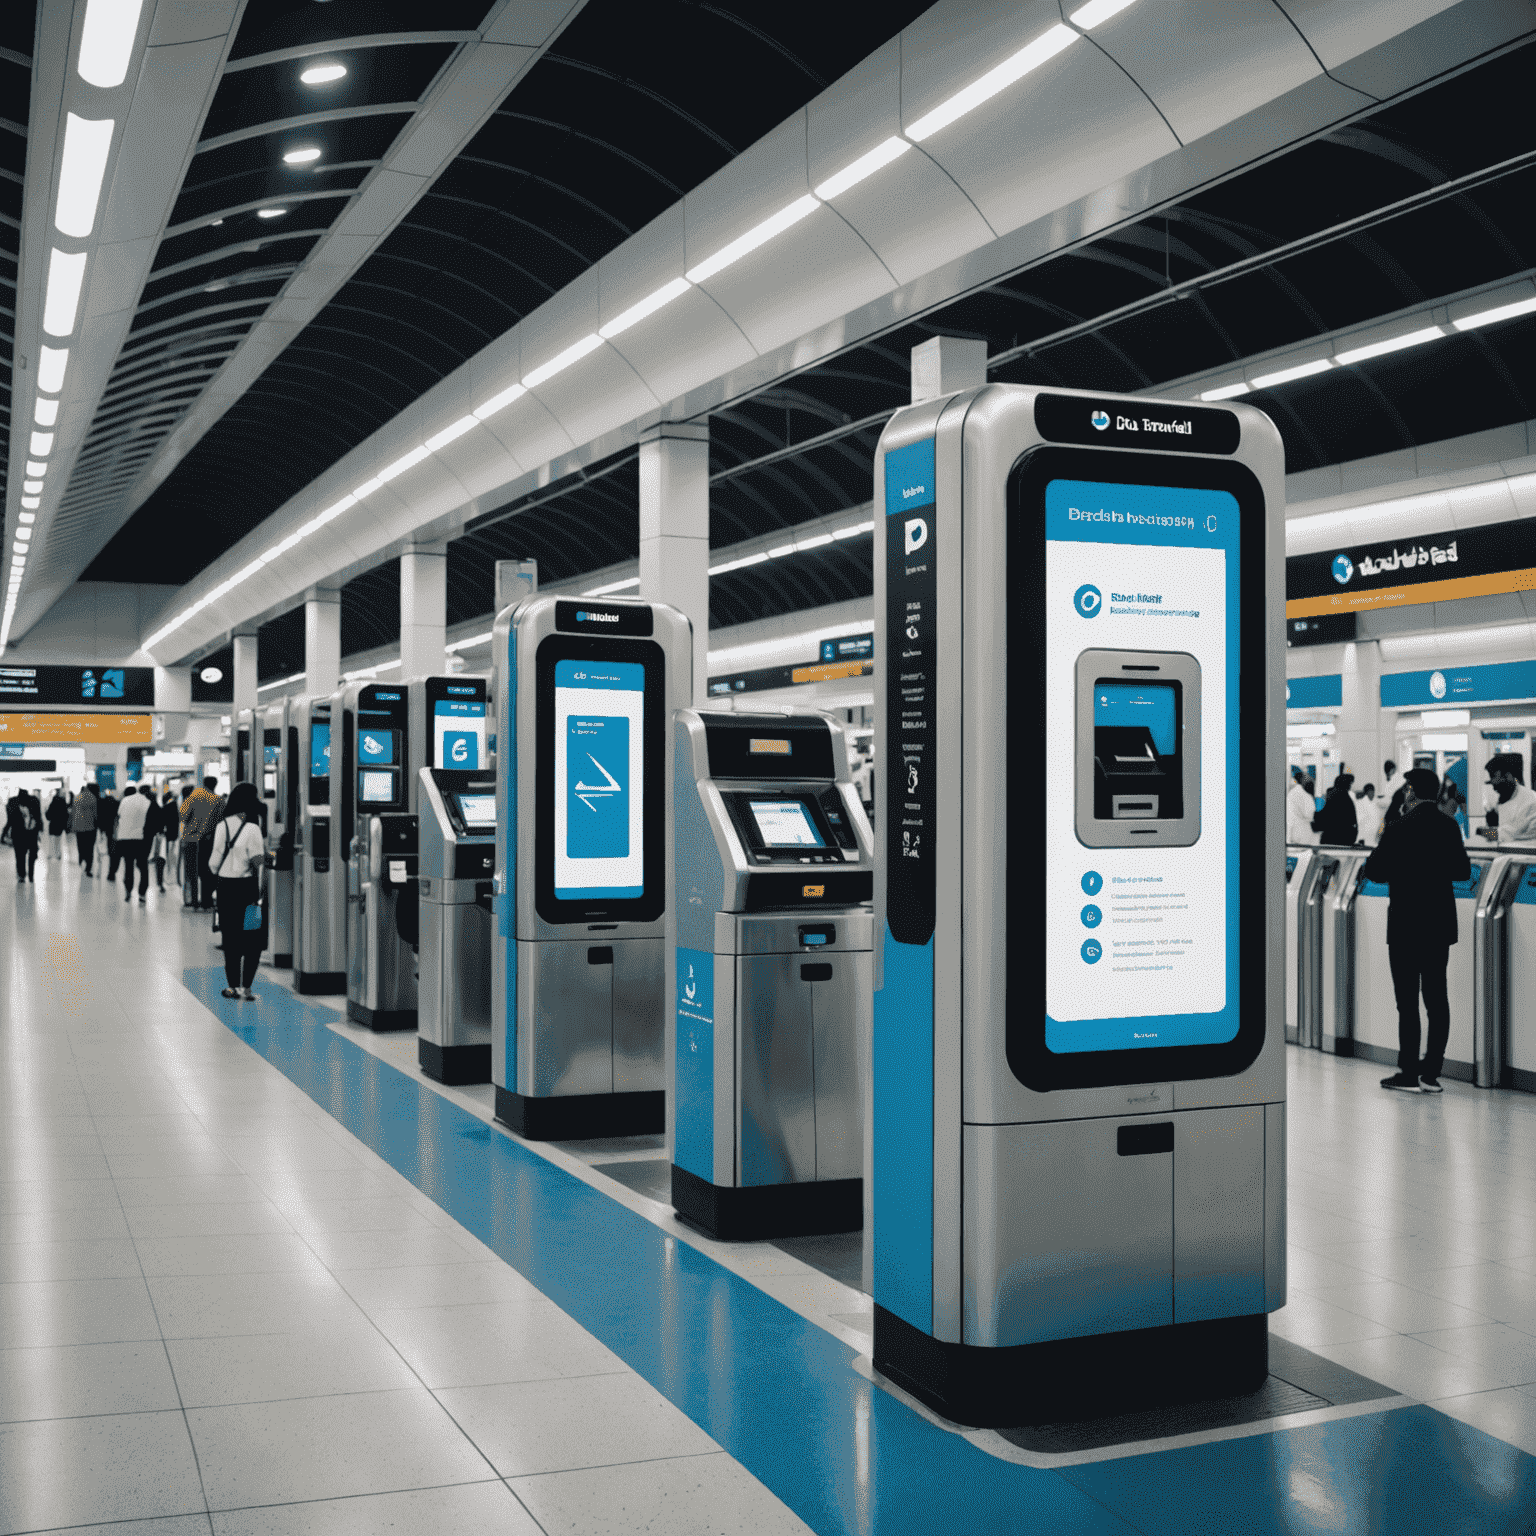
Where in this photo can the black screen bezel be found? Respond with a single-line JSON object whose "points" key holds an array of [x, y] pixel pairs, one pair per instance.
{"points": [[751, 836], [437, 691], [651, 903], [1032, 1063]]}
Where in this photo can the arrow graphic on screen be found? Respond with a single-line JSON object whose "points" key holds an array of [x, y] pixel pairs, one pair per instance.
{"points": [[587, 792]]}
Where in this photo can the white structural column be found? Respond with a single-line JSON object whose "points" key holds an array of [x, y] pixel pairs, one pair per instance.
{"points": [[1366, 731], [423, 610], [674, 531], [322, 641], [244, 672], [173, 704]]}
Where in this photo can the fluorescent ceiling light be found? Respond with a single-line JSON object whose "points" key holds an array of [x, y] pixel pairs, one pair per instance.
{"points": [[45, 412], [1030, 57], [647, 306], [1300, 371], [36, 469], [42, 442], [737, 565], [50, 368], [31, 502], [323, 74], [270, 213], [31, 487], [1433, 719], [23, 534], [865, 165], [1447, 743], [613, 586], [65, 275], [27, 517], [106, 41], [1226, 392], [367, 488], [399, 467], [1089, 16], [499, 402], [449, 434], [87, 143], [301, 156], [780, 550], [282, 682], [470, 642], [562, 361], [758, 235], [1491, 316], [815, 542], [853, 530], [1396, 344]]}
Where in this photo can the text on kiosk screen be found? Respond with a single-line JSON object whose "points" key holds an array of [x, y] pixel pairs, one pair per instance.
{"points": [[599, 777], [784, 824], [1141, 940], [478, 811], [458, 733], [376, 788], [319, 750]]}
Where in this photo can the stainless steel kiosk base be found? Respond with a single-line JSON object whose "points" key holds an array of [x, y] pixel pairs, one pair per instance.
{"points": [[320, 983], [768, 1210], [381, 1020], [582, 1116], [1063, 1380], [454, 1065]]}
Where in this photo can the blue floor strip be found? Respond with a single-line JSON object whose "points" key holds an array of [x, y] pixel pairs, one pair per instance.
{"points": [[781, 1394]]}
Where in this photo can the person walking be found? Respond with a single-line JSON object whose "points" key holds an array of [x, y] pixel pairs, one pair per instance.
{"points": [[199, 813], [23, 820], [1420, 858], [106, 822], [1336, 823], [237, 860], [82, 822], [167, 823], [1516, 804], [58, 820], [132, 839]]}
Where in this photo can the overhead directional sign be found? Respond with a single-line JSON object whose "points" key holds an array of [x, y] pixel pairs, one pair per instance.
{"points": [[61, 728]]}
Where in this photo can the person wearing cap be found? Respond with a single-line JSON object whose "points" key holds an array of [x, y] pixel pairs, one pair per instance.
{"points": [[1419, 860]]}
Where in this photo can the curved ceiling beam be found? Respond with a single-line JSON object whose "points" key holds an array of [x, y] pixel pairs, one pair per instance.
{"points": [[307, 120], [328, 194], [567, 131], [248, 246], [346, 45]]}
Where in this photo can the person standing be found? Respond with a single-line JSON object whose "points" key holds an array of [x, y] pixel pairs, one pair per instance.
{"points": [[199, 812], [1336, 823], [166, 825], [1300, 808], [132, 843], [58, 819], [82, 822], [237, 860], [1368, 816], [23, 820], [1517, 804], [1420, 858], [106, 822]]}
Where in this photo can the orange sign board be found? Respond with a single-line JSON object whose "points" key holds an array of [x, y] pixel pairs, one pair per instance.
{"points": [[1420, 592], [59, 729], [830, 671]]}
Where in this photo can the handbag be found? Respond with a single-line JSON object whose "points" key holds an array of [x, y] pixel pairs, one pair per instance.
{"points": [[253, 917]]}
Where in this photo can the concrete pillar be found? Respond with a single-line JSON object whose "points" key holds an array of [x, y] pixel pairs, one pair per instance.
{"points": [[674, 530], [944, 364], [244, 673], [322, 641], [423, 610], [515, 580], [173, 704], [1366, 734]]}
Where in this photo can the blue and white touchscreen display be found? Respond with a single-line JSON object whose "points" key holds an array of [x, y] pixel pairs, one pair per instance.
{"points": [[784, 824], [599, 780], [1142, 940], [458, 733], [319, 750]]}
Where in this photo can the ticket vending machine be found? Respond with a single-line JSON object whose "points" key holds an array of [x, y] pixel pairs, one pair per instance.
{"points": [[280, 794], [1078, 1148], [371, 795], [771, 965], [320, 887], [584, 693]]}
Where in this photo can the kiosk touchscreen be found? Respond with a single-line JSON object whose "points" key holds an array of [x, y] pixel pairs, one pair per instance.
{"points": [[320, 891], [280, 788], [1078, 1069], [583, 695]]}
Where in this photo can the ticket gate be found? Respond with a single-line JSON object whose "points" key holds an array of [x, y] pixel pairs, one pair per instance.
{"points": [[280, 793], [1298, 858], [319, 887], [457, 817], [772, 967], [1516, 926], [377, 836], [1335, 950], [584, 692]]}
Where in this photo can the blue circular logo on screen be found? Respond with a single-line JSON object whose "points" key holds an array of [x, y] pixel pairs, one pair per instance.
{"points": [[1088, 600], [1092, 917], [1093, 883], [1092, 951], [1343, 569], [1100, 420]]}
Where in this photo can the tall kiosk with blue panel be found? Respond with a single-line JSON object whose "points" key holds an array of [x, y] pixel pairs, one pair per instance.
{"points": [[319, 887], [1078, 1149], [772, 973], [375, 833], [584, 693], [280, 789]]}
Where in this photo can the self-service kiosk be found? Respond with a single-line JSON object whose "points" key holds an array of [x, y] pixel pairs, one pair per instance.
{"points": [[771, 965], [280, 794], [320, 889], [376, 834], [1078, 1148], [584, 692], [456, 805]]}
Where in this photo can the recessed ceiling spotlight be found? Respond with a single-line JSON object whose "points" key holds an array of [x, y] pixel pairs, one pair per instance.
{"points": [[270, 213], [323, 74], [214, 223], [301, 156]]}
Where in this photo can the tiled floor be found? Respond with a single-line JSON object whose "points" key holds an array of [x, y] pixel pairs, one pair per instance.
{"points": [[221, 1311]]}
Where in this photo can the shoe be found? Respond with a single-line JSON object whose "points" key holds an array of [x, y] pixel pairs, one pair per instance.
{"points": [[247, 994], [230, 992], [143, 901], [128, 895], [1401, 1083], [1430, 1085]]}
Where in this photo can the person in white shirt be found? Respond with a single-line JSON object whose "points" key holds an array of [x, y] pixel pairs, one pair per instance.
{"points": [[1300, 808], [131, 841], [1517, 804], [1368, 816], [237, 861]]}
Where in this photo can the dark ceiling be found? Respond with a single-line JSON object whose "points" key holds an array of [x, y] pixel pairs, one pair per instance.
{"points": [[16, 37], [614, 124]]}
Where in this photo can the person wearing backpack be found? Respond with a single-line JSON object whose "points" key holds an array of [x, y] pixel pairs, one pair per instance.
{"points": [[24, 821], [237, 855]]}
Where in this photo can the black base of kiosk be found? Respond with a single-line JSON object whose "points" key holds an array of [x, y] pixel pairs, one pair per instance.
{"points": [[1066, 1380], [281, 962], [582, 1116], [381, 1020], [454, 1065], [768, 1210], [320, 983]]}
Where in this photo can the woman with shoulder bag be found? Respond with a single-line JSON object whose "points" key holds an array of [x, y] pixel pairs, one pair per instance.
{"points": [[237, 861]]}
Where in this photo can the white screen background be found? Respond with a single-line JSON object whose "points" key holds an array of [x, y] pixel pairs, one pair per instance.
{"points": [[598, 874]]}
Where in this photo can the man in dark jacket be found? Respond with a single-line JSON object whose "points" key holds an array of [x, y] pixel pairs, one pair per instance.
{"points": [[106, 822], [1336, 824], [1420, 857]]}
